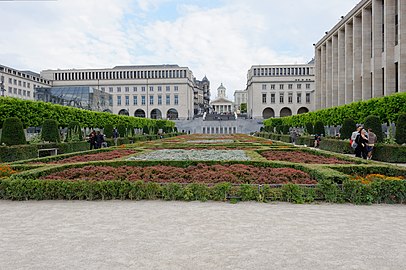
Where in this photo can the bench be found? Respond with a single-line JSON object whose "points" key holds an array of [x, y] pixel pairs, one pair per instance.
{"points": [[51, 151]]}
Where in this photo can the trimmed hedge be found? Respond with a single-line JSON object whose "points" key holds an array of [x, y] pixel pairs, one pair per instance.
{"points": [[19, 152], [373, 122], [400, 134], [50, 131], [13, 132], [347, 129]]}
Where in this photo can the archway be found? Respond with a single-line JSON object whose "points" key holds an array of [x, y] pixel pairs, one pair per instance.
{"points": [[172, 114], [302, 110], [139, 113], [123, 112], [156, 114], [268, 113], [285, 112]]}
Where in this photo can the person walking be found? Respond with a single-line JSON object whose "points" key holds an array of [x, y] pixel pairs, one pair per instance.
{"points": [[361, 140], [354, 136], [372, 140]]}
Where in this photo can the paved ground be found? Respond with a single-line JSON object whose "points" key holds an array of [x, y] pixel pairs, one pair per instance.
{"points": [[181, 235]]}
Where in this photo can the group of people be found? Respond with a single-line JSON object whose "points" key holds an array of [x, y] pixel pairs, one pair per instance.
{"points": [[96, 140], [363, 142]]}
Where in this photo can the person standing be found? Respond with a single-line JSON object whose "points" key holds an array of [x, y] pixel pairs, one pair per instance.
{"points": [[293, 136], [354, 136], [115, 136], [361, 140], [99, 140], [92, 140], [372, 140]]}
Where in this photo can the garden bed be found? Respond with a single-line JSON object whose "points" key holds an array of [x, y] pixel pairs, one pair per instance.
{"points": [[182, 154], [303, 157]]}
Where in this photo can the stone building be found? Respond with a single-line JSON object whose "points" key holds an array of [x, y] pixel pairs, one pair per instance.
{"points": [[240, 97], [364, 55], [221, 104]]}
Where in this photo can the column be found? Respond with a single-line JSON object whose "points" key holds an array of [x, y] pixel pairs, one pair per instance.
{"points": [[334, 65], [349, 65], [318, 78], [389, 40], [323, 77], [357, 85], [341, 67], [329, 74], [402, 45], [377, 75], [366, 53]]}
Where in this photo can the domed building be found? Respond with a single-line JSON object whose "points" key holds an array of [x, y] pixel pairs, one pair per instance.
{"points": [[221, 104]]}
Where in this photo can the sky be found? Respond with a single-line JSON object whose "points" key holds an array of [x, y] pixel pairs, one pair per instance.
{"points": [[220, 39]]}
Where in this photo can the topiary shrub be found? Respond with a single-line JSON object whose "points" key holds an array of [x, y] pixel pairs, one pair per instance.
{"points": [[122, 130], [319, 128], [285, 129], [108, 130], [373, 122], [74, 132], [13, 132], [50, 131], [400, 134], [309, 128], [347, 128], [145, 129]]}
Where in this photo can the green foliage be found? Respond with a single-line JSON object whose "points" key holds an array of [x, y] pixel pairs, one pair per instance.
{"points": [[309, 128], [145, 129], [329, 191], [400, 135], [373, 122], [319, 128], [50, 131], [292, 193], [108, 130], [347, 128], [13, 132], [122, 130], [357, 193], [74, 132], [285, 129], [243, 107], [17, 152], [220, 191]]}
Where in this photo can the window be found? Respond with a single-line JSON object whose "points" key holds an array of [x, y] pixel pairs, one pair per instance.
{"points": [[28, 85], [263, 98], [135, 100], [159, 88], [176, 88], [103, 89], [264, 87], [290, 98], [143, 88], [272, 98], [307, 97], [151, 89], [159, 99], [118, 100], [127, 89], [127, 100], [10, 90], [168, 99], [272, 87], [151, 100], [118, 89], [15, 82], [299, 97], [176, 100], [24, 84], [281, 96], [299, 86], [290, 86], [307, 85], [281, 86], [142, 100], [15, 91], [111, 89], [135, 89], [110, 101], [19, 83], [19, 92], [10, 81], [168, 89], [29, 93]]}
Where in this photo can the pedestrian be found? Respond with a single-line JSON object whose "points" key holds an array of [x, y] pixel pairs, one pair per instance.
{"points": [[372, 140], [99, 140], [293, 135], [354, 136], [115, 136], [317, 139], [92, 140], [361, 140]]}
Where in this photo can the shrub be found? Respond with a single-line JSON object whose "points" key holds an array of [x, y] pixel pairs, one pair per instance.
{"points": [[309, 128], [50, 131], [347, 128], [319, 128], [13, 132], [122, 130], [373, 122], [74, 132], [145, 129], [108, 130], [285, 129], [400, 135]]}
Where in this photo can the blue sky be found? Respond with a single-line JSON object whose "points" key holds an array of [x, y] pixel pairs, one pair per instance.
{"points": [[221, 39]]}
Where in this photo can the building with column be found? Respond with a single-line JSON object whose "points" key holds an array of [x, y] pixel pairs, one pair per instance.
{"points": [[156, 91], [280, 90], [240, 97], [364, 55], [20, 84], [221, 104]]}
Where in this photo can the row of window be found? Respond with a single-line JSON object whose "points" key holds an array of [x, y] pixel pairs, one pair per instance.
{"points": [[151, 100], [20, 92], [282, 98], [13, 72], [116, 75], [19, 83], [126, 89], [298, 71], [290, 86]]}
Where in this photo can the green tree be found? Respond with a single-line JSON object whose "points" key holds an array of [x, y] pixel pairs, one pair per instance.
{"points": [[122, 130], [400, 134], [319, 128], [74, 132], [50, 131], [309, 128], [108, 130], [374, 122], [243, 107], [13, 132], [347, 128]]}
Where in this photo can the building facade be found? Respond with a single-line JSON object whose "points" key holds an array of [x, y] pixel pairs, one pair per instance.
{"points": [[364, 55], [240, 96], [280, 90], [157, 91], [201, 96], [221, 104], [20, 84]]}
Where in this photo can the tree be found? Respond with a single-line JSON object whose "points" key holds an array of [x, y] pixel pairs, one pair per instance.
{"points": [[309, 128], [13, 132], [122, 130], [74, 132], [400, 135], [347, 128], [319, 128], [373, 122], [243, 107], [108, 131], [50, 131]]}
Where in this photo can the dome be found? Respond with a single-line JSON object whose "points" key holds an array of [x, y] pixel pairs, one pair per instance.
{"points": [[221, 87]]}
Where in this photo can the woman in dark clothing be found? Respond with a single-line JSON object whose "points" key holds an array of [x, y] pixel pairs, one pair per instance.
{"points": [[362, 141], [92, 140], [99, 139]]}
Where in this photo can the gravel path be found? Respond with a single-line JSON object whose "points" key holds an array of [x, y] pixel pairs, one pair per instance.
{"points": [[194, 235]]}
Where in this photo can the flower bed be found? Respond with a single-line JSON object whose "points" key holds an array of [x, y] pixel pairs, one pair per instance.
{"points": [[201, 173], [302, 157], [181, 154], [370, 178], [210, 141]]}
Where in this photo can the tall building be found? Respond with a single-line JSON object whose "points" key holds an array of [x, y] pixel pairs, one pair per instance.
{"points": [[20, 84], [364, 55], [155, 91], [280, 90], [240, 97], [201, 96]]}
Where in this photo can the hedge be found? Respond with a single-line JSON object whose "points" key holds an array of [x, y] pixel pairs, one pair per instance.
{"points": [[386, 108], [13, 132], [33, 113]]}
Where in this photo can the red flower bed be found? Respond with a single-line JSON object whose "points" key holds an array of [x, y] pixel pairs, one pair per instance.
{"points": [[302, 157], [94, 157], [201, 173]]}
